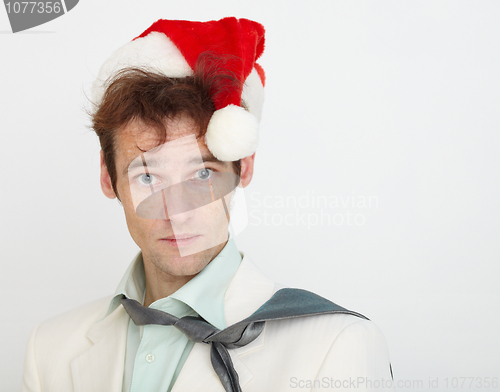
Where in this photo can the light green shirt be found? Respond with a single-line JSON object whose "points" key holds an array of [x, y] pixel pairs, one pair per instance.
{"points": [[155, 354]]}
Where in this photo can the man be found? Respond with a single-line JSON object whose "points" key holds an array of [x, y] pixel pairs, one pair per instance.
{"points": [[177, 114]]}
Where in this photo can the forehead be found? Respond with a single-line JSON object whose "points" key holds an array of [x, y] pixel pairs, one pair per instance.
{"points": [[136, 138]]}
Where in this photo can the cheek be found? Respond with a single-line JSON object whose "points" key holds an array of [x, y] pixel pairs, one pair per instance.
{"points": [[134, 223], [142, 230], [126, 198], [211, 216], [138, 227], [218, 215]]}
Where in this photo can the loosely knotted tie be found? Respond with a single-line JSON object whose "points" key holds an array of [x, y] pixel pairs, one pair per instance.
{"points": [[284, 304]]}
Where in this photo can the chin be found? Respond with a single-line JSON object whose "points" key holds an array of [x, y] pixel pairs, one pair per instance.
{"points": [[189, 265]]}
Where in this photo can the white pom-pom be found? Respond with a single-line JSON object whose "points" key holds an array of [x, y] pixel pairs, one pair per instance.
{"points": [[232, 133]]}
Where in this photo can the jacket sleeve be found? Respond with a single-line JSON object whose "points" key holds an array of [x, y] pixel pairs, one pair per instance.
{"points": [[358, 359], [31, 379]]}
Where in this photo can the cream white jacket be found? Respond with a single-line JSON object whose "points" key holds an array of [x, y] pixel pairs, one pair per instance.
{"points": [[76, 352]]}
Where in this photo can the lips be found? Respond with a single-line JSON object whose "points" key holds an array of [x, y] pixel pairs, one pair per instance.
{"points": [[181, 239]]}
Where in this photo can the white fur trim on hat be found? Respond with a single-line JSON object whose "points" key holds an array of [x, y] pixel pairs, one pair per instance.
{"points": [[232, 133], [155, 52], [253, 94]]}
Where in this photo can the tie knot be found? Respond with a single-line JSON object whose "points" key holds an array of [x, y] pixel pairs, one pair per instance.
{"points": [[196, 328], [238, 335]]}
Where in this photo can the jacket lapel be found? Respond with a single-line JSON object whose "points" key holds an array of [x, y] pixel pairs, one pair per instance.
{"points": [[100, 368], [248, 290]]}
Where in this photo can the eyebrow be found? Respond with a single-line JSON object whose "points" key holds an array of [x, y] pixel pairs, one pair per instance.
{"points": [[204, 158], [155, 162]]}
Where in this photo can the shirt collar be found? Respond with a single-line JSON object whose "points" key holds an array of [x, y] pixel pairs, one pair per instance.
{"points": [[132, 284], [204, 293]]}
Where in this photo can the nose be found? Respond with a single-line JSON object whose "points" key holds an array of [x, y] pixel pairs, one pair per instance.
{"points": [[179, 203]]}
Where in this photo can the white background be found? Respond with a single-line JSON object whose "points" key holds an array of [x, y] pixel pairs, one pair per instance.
{"points": [[393, 100]]}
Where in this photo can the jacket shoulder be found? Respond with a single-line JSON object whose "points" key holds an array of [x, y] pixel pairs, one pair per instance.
{"points": [[85, 315], [55, 342], [318, 349], [71, 326]]}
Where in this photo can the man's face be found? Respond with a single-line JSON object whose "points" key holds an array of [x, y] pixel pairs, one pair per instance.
{"points": [[177, 233]]}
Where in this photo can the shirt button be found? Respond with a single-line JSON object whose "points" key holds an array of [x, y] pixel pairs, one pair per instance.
{"points": [[150, 358]]}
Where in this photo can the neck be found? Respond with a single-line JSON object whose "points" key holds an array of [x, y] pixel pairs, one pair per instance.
{"points": [[161, 285], [164, 278]]}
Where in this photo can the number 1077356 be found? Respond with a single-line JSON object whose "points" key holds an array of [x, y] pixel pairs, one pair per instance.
{"points": [[34, 7]]}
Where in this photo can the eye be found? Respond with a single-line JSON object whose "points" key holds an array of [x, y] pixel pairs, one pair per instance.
{"points": [[147, 179], [203, 174]]}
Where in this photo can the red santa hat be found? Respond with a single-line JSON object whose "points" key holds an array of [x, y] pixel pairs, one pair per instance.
{"points": [[173, 47]]}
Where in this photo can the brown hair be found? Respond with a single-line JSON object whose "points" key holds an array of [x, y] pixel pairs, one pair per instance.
{"points": [[150, 97]]}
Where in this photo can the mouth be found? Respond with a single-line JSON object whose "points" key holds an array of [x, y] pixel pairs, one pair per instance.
{"points": [[180, 240]]}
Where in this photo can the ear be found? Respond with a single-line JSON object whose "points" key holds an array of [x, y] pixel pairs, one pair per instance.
{"points": [[246, 170], [106, 186]]}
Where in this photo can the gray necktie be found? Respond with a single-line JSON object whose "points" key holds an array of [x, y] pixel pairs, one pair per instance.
{"points": [[284, 304]]}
